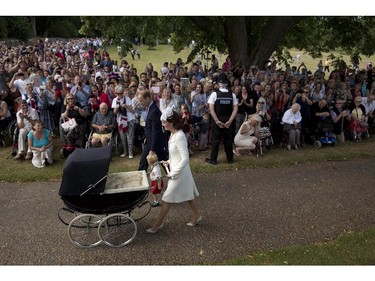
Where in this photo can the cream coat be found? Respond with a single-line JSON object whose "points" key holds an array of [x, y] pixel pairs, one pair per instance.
{"points": [[181, 185]]}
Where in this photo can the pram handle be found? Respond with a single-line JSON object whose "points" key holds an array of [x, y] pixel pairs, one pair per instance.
{"points": [[165, 166], [91, 186]]}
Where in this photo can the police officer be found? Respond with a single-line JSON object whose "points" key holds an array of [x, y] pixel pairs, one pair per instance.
{"points": [[223, 108]]}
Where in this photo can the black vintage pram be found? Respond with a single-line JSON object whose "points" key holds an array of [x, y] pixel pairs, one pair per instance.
{"points": [[101, 207]]}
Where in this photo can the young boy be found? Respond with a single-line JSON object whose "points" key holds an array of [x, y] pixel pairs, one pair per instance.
{"points": [[202, 129], [155, 176]]}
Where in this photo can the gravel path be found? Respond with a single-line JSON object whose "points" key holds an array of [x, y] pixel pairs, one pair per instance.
{"points": [[243, 212]]}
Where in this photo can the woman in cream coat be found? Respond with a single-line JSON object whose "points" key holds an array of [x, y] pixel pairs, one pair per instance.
{"points": [[181, 185]]}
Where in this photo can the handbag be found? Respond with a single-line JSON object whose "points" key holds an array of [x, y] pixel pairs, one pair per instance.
{"points": [[69, 125]]}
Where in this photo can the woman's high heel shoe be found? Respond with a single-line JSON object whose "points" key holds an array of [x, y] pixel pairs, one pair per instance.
{"points": [[154, 231], [193, 224]]}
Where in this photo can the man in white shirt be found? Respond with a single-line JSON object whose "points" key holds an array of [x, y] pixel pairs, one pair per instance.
{"points": [[25, 117], [19, 80]]}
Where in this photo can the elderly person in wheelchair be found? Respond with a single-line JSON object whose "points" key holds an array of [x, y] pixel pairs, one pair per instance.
{"points": [[292, 125], [103, 124]]}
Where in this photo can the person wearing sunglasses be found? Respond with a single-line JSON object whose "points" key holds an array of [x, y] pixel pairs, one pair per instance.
{"points": [[73, 109], [340, 118]]}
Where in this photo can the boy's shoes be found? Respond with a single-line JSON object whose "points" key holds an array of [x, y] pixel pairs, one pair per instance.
{"points": [[155, 204], [131, 156]]}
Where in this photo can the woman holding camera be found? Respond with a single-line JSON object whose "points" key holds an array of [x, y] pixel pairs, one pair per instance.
{"points": [[72, 109]]}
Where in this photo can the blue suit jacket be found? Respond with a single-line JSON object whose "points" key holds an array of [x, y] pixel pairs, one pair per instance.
{"points": [[155, 138]]}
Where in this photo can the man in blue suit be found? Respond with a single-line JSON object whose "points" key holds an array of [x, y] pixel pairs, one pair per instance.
{"points": [[155, 138]]}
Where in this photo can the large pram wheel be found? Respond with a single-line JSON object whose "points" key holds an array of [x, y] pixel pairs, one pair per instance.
{"points": [[117, 230], [66, 215], [140, 211], [83, 230]]}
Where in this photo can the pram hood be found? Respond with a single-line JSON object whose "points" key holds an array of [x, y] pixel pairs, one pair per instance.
{"points": [[85, 167]]}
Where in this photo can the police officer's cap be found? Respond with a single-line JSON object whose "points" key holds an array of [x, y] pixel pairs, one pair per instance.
{"points": [[223, 79]]}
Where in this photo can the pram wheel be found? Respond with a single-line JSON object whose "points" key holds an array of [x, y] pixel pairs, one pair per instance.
{"points": [[66, 215], [83, 230], [117, 230], [317, 144], [140, 211]]}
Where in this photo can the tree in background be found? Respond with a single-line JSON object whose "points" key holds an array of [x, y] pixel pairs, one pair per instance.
{"points": [[248, 40], [25, 27]]}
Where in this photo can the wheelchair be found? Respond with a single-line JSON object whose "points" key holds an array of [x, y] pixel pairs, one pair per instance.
{"points": [[7, 132], [114, 141], [285, 138]]}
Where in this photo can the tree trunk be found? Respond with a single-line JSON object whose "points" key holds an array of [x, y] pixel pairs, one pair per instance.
{"points": [[33, 25], [236, 39], [247, 51]]}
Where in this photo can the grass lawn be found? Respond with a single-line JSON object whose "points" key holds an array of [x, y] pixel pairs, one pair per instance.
{"points": [[348, 249], [165, 53], [22, 170]]}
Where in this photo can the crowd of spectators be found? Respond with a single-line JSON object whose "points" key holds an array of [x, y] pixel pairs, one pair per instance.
{"points": [[49, 76]]}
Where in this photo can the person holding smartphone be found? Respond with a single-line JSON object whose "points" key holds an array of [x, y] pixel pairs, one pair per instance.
{"points": [[80, 91]]}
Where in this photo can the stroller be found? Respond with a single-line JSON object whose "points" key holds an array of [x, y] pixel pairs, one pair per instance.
{"points": [[101, 207], [70, 140], [265, 139]]}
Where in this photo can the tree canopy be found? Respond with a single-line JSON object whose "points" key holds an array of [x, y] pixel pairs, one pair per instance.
{"points": [[248, 40]]}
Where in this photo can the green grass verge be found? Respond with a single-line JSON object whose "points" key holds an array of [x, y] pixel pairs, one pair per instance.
{"points": [[357, 248], [23, 171], [165, 53]]}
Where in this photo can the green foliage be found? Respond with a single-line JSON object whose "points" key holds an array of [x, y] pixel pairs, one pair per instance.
{"points": [[18, 27], [63, 28], [352, 35], [151, 41], [3, 28]]}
